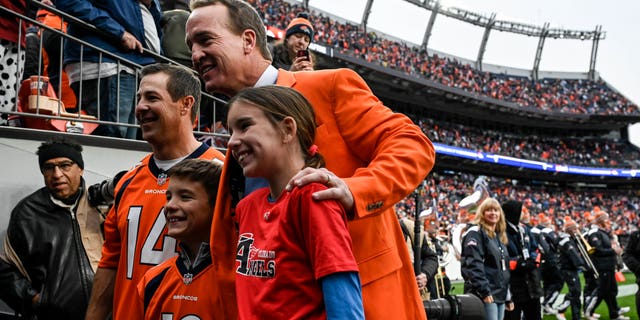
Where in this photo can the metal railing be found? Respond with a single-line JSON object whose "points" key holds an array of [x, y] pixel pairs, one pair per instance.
{"points": [[51, 109]]}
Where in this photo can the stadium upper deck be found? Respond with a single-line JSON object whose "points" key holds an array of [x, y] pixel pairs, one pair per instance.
{"points": [[606, 152], [561, 95]]}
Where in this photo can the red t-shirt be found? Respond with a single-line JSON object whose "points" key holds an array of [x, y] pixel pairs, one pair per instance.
{"points": [[284, 248], [135, 229]]}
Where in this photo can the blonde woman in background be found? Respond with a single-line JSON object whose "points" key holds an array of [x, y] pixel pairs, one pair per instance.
{"points": [[485, 258]]}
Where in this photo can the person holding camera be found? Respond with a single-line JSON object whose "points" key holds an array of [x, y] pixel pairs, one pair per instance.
{"points": [[54, 240], [293, 52]]}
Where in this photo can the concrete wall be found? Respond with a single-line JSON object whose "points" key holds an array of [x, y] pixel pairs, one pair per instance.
{"points": [[103, 157], [21, 175]]}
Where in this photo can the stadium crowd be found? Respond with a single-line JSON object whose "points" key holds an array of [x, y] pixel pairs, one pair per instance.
{"points": [[557, 95], [555, 202], [581, 151]]}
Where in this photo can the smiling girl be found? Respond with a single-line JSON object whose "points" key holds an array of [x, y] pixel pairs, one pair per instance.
{"points": [[294, 258]]}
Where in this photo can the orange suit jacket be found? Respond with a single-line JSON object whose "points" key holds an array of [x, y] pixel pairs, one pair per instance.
{"points": [[382, 156]]}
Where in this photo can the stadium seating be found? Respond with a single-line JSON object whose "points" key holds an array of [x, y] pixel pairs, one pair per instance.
{"points": [[573, 96], [566, 96], [554, 200]]}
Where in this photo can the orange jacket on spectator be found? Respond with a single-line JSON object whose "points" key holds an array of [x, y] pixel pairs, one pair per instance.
{"points": [[382, 156], [54, 21]]}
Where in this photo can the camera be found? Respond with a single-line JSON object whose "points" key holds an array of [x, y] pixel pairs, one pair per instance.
{"points": [[102, 193], [463, 306]]}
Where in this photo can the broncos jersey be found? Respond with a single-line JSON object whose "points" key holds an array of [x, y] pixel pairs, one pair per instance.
{"points": [[135, 232], [177, 290]]}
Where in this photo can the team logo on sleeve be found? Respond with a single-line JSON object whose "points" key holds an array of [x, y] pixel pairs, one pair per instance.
{"points": [[252, 261]]}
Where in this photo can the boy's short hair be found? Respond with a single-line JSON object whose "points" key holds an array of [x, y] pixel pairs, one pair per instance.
{"points": [[205, 172]]}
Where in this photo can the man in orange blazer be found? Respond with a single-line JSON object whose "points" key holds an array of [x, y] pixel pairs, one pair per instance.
{"points": [[374, 157]]}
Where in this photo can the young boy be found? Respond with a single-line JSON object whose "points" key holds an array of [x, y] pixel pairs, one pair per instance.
{"points": [[181, 286]]}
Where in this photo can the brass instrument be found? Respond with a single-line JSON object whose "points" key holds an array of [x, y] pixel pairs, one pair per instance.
{"points": [[587, 246], [439, 276], [585, 250]]}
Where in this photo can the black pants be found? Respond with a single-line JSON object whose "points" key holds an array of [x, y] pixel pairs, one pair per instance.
{"points": [[527, 310], [572, 279], [590, 289], [607, 291], [552, 282], [637, 302]]}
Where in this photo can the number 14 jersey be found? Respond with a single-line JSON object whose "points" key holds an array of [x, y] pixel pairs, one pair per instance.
{"points": [[135, 229]]}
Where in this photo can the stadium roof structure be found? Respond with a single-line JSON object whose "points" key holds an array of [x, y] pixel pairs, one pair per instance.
{"points": [[425, 98], [490, 23], [415, 95]]}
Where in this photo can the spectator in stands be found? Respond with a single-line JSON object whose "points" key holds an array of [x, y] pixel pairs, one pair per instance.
{"points": [[293, 52], [50, 55], [11, 58], [393, 154], [191, 197], [563, 95], [169, 97], [54, 240], [105, 86], [485, 258], [167, 5], [173, 45]]}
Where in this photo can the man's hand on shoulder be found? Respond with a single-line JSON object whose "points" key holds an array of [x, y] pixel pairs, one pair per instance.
{"points": [[337, 188]]}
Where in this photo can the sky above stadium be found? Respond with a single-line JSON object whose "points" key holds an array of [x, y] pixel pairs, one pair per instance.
{"points": [[618, 59]]}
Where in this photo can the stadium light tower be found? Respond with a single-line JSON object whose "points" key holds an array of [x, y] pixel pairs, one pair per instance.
{"points": [[594, 52], [490, 23], [536, 61], [365, 15], [485, 39], [432, 20]]}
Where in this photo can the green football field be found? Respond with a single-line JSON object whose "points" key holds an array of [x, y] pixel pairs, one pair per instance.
{"points": [[626, 297]]}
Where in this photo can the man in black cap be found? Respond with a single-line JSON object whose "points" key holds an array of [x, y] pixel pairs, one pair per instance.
{"points": [[54, 240], [525, 278]]}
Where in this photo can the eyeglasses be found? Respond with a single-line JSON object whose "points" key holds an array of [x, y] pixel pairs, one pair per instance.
{"points": [[49, 168]]}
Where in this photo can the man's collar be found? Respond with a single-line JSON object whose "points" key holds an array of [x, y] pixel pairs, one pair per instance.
{"points": [[268, 77]]}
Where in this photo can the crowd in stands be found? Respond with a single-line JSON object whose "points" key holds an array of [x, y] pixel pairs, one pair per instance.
{"points": [[555, 202], [580, 151], [577, 96]]}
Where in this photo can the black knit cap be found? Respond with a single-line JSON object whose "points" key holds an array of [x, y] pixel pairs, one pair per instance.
{"points": [[300, 24], [58, 148]]}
